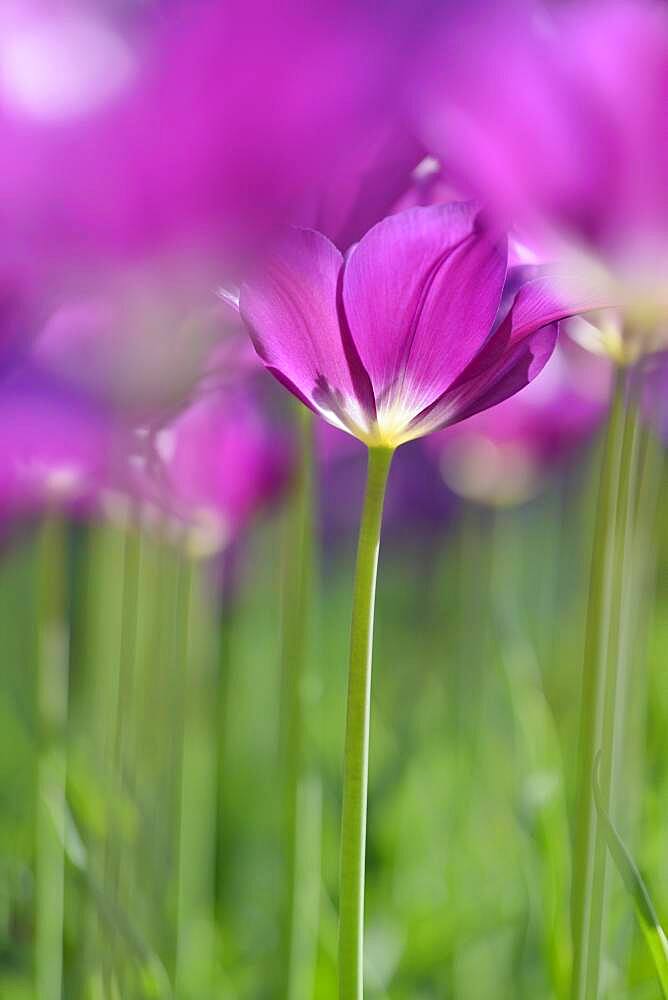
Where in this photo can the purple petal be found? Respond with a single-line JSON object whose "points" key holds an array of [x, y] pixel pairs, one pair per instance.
{"points": [[512, 356], [421, 291], [548, 297], [495, 376], [521, 364], [292, 313]]}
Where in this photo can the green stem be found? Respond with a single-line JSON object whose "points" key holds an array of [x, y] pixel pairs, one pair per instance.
{"points": [[537, 740], [307, 888], [98, 700], [222, 716], [180, 703], [626, 590], [195, 914], [645, 911], [356, 751], [600, 712], [52, 691], [297, 599], [118, 859]]}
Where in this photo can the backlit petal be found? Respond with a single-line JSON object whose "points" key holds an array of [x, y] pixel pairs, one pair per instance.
{"points": [[421, 292], [291, 310]]}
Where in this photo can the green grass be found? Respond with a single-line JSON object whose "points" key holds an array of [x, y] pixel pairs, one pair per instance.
{"points": [[172, 832]]}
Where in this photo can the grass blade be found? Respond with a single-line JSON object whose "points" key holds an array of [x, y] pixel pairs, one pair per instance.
{"points": [[633, 880]]}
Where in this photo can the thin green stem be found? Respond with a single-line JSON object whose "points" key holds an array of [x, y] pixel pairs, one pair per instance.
{"points": [[297, 600], [625, 741], [222, 715], [600, 711], [114, 860], [180, 703], [356, 751], [645, 911], [52, 693], [307, 887], [195, 938], [537, 741], [626, 582], [99, 697]]}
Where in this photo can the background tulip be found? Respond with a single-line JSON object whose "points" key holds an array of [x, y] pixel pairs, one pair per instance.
{"points": [[221, 461], [178, 130], [554, 114]]}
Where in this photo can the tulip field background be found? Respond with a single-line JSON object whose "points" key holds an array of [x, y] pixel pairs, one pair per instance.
{"points": [[143, 775], [333, 493]]}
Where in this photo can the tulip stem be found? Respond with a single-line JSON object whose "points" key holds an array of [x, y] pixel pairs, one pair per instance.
{"points": [[601, 713], [297, 595], [356, 751], [196, 846], [52, 694]]}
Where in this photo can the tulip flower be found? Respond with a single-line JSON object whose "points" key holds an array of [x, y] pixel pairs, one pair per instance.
{"points": [[406, 335], [221, 460], [419, 327]]}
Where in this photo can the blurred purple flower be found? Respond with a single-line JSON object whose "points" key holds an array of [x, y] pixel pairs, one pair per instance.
{"points": [[137, 345], [652, 386], [557, 115], [58, 448], [182, 127], [220, 461], [82, 400], [364, 184], [505, 455], [411, 333], [429, 185]]}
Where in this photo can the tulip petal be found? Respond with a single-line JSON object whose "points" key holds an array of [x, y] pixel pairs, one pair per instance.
{"points": [[508, 372], [421, 291], [511, 358], [548, 296], [292, 313], [521, 364]]}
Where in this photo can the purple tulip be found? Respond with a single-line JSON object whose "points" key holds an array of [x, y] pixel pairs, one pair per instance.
{"points": [[411, 332], [221, 460]]}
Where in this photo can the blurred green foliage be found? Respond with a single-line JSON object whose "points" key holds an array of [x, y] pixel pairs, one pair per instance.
{"points": [[166, 832]]}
